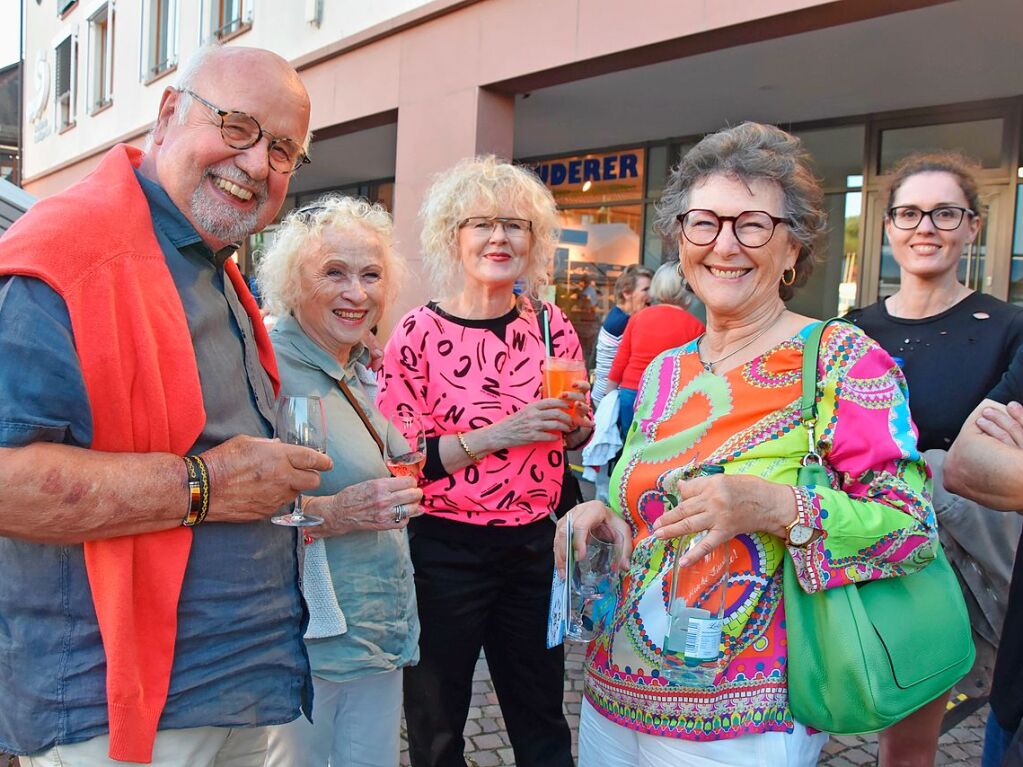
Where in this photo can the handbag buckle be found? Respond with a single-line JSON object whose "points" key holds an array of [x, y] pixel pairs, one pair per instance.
{"points": [[812, 458]]}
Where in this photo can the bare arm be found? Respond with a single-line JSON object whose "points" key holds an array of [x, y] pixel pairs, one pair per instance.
{"points": [[986, 468], [64, 495]]}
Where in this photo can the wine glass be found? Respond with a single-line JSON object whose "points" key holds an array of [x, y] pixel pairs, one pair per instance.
{"points": [[406, 445], [300, 421]]}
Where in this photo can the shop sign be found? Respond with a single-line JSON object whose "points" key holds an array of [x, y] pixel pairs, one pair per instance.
{"points": [[609, 177]]}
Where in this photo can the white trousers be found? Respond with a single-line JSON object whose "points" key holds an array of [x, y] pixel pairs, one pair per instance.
{"points": [[192, 747], [356, 724], [602, 743]]}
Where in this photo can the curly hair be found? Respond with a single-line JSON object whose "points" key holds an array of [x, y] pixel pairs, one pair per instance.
{"points": [[486, 186], [956, 164], [301, 233], [747, 152]]}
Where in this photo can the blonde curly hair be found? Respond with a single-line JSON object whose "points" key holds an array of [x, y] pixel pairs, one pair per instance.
{"points": [[302, 232], [486, 186]]}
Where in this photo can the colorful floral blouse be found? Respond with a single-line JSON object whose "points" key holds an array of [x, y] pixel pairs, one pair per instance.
{"points": [[460, 378], [877, 523]]}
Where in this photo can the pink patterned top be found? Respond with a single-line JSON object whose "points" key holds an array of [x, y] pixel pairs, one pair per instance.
{"points": [[876, 521], [460, 378]]}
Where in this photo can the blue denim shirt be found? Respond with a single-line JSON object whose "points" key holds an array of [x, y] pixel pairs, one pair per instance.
{"points": [[239, 658]]}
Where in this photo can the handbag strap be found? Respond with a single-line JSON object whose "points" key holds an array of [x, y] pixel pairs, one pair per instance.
{"points": [[808, 403], [362, 416]]}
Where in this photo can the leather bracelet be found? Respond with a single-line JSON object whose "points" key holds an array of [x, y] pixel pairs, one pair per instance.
{"points": [[461, 441], [198, 491]]}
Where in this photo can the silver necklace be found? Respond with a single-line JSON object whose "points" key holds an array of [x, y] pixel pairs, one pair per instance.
{"points": [[708, 365]]}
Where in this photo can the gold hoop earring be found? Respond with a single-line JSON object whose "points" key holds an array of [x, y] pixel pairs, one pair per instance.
{"points": [[792, 280], [682, 276]]}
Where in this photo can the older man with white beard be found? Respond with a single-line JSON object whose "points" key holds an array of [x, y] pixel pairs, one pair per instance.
{"points": [[150, 612]]}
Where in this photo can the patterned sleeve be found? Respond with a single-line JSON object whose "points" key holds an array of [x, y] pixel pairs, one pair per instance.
{"points": [[878, 522], [405, 372]]}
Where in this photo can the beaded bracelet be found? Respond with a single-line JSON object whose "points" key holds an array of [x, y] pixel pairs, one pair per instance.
{"points": [[472, 456], [198, 491]]}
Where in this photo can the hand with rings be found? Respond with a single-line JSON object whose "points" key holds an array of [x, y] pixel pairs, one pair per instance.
{"points": [[400, 513], [377, 504]]}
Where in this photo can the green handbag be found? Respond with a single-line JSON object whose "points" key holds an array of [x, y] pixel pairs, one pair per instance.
{"points": [[863, 656]]}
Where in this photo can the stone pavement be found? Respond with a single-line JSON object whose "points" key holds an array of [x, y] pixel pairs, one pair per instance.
{"points": [[486, 742]]}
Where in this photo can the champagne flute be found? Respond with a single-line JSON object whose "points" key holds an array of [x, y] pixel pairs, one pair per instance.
{"points": [[300, 421], [406, 445]]}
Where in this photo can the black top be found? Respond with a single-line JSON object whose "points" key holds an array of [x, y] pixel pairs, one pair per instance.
{"points": [[951, 360], [1007, 689]]}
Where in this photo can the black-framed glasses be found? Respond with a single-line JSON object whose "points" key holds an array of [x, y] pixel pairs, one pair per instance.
{"points": [[484, 226], [944, 217], [753, 228], [242, 131]]}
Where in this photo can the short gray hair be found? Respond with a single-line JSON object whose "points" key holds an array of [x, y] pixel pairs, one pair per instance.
{"points": [[302, 231], [666, 286], [748, 152]]}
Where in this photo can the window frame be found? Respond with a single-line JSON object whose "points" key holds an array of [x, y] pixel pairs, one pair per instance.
{"points": [[213, 27], [151, 69], [71, 38], [100, 95]]}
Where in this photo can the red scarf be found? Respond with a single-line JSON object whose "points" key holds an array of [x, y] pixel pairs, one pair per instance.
{"points": [[94, 245]]}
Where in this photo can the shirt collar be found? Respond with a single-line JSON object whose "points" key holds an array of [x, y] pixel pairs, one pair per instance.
{"points": [[287, 329], [174, 225]]}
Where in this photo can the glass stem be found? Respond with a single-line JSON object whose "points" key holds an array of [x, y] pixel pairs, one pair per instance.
{"points": [[298, 506]]}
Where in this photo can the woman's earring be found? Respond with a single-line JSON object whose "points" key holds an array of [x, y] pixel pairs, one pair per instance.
{"points": [[791, 280], [682, 276]]}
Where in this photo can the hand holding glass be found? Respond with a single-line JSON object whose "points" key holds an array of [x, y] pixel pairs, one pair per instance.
{"points": [[406, 445], [300, 421], [590, 589], [560, 377]]}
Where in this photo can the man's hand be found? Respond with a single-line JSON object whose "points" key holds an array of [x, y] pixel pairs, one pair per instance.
{"points": [[1003, 423], [251, 477]]}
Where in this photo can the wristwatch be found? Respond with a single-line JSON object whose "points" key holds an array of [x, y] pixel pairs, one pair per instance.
{"points": [[797, 534]]}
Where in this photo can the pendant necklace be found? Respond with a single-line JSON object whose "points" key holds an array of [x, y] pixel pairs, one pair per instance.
{"points": [[708, 365]]}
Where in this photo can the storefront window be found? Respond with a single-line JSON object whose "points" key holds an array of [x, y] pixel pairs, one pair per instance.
{"points": [[979, 139], [837, 159], [596, 245], [600, 197]]}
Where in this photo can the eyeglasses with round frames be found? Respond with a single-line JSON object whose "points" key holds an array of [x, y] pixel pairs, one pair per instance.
{"points": [[514, 228], [945, 217], [241, 130], [752, 228]]}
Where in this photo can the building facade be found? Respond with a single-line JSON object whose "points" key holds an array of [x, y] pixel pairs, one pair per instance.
{"points": [[600, 96]]}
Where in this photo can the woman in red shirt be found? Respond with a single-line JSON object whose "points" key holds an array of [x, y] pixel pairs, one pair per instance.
{"points": [[664, 325]]}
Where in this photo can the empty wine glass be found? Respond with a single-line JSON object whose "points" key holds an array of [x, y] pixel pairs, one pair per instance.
{"points": [[300, 421], [406, 445]]}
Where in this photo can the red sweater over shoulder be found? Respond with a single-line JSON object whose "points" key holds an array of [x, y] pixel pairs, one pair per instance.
{"points": [[94, 245]]}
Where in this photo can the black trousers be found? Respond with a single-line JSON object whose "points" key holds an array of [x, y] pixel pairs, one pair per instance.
{"points": [[495, 595]]}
